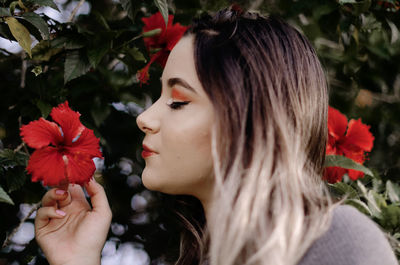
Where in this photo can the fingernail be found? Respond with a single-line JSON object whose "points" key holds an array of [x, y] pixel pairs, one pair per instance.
{"points": [[60, 192], [59, 212]]}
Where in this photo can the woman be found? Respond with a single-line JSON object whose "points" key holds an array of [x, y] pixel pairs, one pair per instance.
{"points": [[241, 126]]}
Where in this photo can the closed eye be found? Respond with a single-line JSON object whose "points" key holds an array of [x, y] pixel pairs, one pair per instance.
{"points": [[177, 104]]}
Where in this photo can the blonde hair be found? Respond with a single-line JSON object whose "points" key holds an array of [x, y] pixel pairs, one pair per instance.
{"points": [[270, 97]]}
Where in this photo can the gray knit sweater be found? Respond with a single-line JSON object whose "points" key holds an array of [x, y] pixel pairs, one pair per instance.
{"points": [[352, 239]]}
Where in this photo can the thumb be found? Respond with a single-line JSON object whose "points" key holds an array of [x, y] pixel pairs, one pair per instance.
{"points": [[98, 198]]}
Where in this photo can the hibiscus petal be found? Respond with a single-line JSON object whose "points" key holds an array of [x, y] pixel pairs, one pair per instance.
{"points": [[172, 35], [86, 144], [156, 21], [68, 120], [143, 74], [358, 134], [41, 133], [337, 123], [334, 174], [355, 174], [80, 168], [166, 40], [331, 148], [353, 153], [47, 164], [162, 59]]}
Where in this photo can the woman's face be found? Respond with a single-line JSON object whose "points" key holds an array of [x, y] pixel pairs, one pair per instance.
{"points": [[177, 144]]}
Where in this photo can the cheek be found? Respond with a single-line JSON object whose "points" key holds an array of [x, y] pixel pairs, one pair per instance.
{"points": [[189, 139], [185, 163]]}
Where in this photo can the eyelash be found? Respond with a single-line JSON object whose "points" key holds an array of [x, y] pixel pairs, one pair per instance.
{"points": [[177, 104]]}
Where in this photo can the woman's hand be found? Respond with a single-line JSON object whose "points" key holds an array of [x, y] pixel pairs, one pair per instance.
{"points": [[68, 230]]}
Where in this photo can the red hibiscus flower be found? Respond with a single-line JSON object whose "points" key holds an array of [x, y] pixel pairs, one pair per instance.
{"points": [[160, 45], [64, 150], [351, 139]]}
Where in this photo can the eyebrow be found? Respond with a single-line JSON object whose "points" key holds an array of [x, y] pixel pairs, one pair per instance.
{"points": [[178, 81]]}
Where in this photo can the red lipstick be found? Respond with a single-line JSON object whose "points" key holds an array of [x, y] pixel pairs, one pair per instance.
{"points": [[147, 151]]}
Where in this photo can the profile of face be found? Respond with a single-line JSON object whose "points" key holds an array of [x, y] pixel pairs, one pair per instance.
{"points": [[177, 144]]}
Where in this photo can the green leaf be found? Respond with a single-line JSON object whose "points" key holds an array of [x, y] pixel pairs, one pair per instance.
{"points": [[393, 191], [4, 197], [341, 189], [15, 178], [344, 162], [360, 205], [43, 51], [38, 22], [21, 158], [7, 158], [342, 2], [20, 33], [369, 23], [162, 5], [59, 42], [101, 20], [75, 43], [362, 188], [375, 203], [76, 65], [4, 12], [137, 55], [391, 217], [10, 158], [49, 3], [95, 54], [69, 42], [45, 108], [13, 5], [21, 4]]}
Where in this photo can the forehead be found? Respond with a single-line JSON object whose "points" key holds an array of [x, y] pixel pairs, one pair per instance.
{"points": [[180, 63]]}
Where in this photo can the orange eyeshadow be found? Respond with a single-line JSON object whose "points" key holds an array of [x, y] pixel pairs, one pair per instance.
{"points": [[178, 95]]}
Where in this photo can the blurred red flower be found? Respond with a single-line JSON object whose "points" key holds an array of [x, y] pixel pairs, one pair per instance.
{"points": [[64, 150], [160, 45], [351, 139], [394, 5]]}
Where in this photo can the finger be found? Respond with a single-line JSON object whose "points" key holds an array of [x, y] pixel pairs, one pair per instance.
{"points": [[77, 194], [44, 215], [98, 198], [55, 195]]}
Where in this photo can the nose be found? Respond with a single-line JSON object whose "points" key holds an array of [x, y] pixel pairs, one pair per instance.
{"points": [[148, 121]]}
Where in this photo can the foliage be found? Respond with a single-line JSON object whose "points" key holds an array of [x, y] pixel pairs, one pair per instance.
{"points": [[92, 61]]}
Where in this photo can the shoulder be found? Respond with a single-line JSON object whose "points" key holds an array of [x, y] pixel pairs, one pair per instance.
{"points": [[352, 239]]}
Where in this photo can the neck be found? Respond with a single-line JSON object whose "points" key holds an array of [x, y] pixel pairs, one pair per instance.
{"points": [[206, 198], [206, 203]]}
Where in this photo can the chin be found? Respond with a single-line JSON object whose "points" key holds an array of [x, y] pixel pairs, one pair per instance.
{"points": [[152, 181], [148, 181]]}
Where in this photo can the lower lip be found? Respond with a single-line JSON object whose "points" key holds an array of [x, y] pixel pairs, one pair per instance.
{"points": [[147, 153]]}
